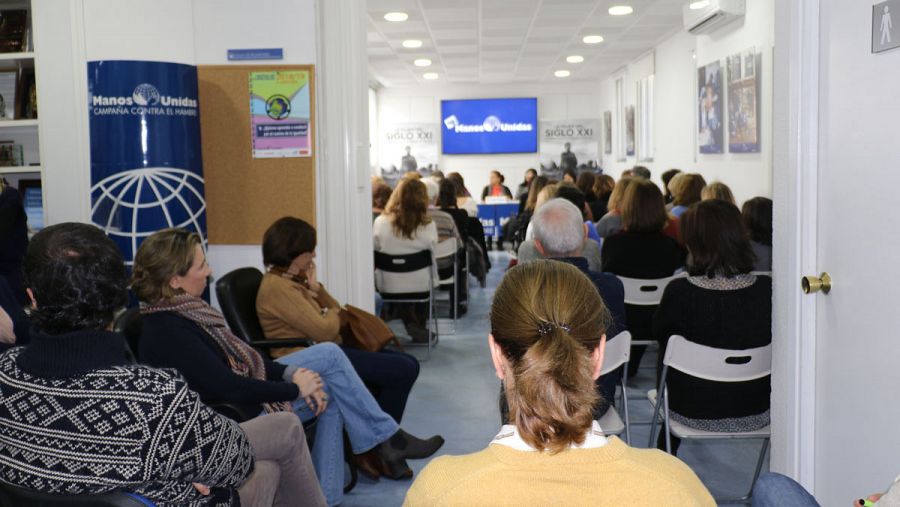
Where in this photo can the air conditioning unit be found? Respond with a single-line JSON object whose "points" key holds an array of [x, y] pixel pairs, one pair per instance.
{"points": [[709, 15]]}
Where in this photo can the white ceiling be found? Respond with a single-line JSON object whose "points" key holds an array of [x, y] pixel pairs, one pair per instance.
{"points": [[507, 41]]}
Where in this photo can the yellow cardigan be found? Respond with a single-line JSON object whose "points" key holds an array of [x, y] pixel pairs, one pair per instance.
{"points": [[287, 309], [612, 475]]}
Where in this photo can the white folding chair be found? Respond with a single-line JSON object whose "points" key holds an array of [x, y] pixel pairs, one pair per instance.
{"points": [[394, 264], [448, 250], [618, 349], [649, 292], [717, 365]]}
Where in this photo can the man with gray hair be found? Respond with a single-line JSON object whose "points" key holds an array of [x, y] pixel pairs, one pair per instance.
{"points": [[559, 233]]}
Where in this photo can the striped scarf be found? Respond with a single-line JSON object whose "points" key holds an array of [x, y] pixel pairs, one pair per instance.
{"points": [[242, 358]]}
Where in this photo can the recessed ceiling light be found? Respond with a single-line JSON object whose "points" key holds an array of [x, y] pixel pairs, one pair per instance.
{"points": [[575, 59], [422, 62], [430, 75], [699, 5], [562, 73], [412, 43], [620, 10], [592, 39], [396, 16]]}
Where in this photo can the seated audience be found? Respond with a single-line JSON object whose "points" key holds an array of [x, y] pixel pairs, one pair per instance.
{"points": [[757, 214], [405, 228], [559, 234], [546, 193], [496, 188], [575, 196], [585, 183], [523, 187], [464, 199], [14, 326], [13, 239], [547, 341], [437, 176], [641, 250], [526, 209], [626, 174], [666, 179], [96, 424], [570, 176], [611, 222], [687, 188], [603, 187], [720, 305], [446, 226], [717, 190], [381, 193], [470, 230], [640, 171], [182, 331], [292, 303]]}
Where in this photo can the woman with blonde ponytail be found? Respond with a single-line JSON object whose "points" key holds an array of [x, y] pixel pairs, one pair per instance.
{"points": [[547, 339]]}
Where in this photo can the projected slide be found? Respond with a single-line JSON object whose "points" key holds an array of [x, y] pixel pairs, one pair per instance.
{"points": [[489, 126]]}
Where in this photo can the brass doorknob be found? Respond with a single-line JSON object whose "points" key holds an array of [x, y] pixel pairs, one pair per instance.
{"points": [[812, 284]]}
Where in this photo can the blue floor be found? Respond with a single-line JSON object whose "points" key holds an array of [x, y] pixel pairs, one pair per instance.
{"points": [[456, 396]]}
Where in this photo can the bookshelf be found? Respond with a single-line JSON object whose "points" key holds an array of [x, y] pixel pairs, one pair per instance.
{"points": [[20, 147]]}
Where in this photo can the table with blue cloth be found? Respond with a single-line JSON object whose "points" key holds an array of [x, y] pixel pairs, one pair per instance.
{"points": [[494, 216]]}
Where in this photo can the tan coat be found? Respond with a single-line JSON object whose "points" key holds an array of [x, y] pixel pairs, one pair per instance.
{"points": [[287, 309]]}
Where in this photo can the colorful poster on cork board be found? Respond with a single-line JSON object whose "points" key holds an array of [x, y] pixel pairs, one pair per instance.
{"points": [[280, 114]]}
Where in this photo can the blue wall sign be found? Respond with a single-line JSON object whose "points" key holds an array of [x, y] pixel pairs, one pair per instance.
{"points": [[146, 168], [489, 126], [256, 54]]}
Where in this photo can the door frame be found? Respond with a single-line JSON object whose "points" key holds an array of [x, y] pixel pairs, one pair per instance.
{"points": [[795, 195]]}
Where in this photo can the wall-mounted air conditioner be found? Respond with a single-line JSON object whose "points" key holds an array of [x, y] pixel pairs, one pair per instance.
{"points": [[708, 15]]}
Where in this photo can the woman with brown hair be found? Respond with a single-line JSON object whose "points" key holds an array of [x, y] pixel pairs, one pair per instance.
{"points": [[611, 222], [722, 305], [405, 228], [717, 190], [547, 341], [641, 250], [464, 199], [686, 190], [182, 331], [603, 187]]}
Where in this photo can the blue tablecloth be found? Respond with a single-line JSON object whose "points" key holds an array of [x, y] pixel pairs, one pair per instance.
{"points": [[494, 216]]}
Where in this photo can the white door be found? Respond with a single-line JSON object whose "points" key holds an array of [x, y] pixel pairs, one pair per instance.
{"points": [[847, 443]]}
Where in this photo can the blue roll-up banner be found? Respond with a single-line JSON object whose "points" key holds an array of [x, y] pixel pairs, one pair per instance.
{"points": [[146, 167]]}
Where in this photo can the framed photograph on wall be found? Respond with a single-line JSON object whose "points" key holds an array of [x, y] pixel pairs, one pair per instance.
{"points": [[645, 141], [607, 132], [629, 131], [743, 102], [710, 121], [620, 119]]}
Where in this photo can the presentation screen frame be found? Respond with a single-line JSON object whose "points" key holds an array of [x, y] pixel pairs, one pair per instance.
{"points": [[489, 126]]}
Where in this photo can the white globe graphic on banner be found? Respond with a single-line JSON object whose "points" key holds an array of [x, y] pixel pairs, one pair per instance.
{"points": [[131, 205]]}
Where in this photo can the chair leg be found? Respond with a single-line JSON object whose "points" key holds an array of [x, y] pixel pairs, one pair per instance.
{"points": [[759, 464], [625, 411], [667, 428]]}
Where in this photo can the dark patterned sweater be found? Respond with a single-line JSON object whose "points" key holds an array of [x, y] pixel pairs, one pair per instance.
{"points": [[75, 418]]}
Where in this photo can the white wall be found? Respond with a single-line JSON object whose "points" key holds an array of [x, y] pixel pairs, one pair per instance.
{"points": [[556, 101], [748, 175]]}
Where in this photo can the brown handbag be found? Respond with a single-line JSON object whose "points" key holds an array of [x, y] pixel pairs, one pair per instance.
{"points": [[364, 331]]}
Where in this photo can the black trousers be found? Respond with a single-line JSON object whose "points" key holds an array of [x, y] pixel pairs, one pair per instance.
{"points": [[388, 374]]}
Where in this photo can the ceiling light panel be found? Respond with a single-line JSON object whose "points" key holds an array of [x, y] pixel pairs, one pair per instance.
{"points": [[396, 17]]}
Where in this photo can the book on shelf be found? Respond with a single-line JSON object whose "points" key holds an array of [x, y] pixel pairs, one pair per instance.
{"points": [[11, 154], [7, 95], [13, 30], [26, 95]]}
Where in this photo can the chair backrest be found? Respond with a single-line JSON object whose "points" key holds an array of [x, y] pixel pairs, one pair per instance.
{"points": [[719, 365], [237, 297], [645, 292], [14, 496], [446, 248], [617, 352], [128, 323], [403, 263]]}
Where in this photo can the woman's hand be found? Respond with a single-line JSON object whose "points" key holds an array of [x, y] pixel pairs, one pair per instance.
{"points": [[312, 283], [318, 401], [307, 381]]}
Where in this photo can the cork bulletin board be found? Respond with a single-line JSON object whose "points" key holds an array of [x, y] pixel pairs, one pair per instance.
{"points": [[244, 195]]}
